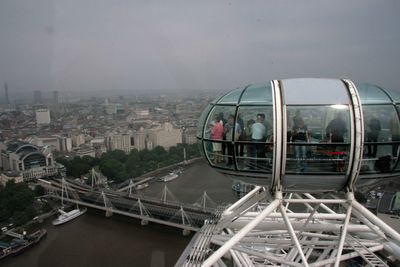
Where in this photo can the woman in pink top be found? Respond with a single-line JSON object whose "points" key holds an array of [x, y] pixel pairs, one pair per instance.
{"points": [[216, 134]]}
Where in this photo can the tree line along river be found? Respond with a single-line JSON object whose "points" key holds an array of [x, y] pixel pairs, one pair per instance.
{"points": [[94, 240]]}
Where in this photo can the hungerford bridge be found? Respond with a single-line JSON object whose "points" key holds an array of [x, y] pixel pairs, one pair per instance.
{"points": [[127, 201], [311, 143]]}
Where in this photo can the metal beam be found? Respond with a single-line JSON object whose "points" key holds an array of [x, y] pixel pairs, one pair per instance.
{"points": [[237, 237], [293, 234], [344, 232], [378, 222]]}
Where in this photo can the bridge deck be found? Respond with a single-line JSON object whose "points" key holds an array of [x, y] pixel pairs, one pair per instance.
{"points": [[184, 216]]}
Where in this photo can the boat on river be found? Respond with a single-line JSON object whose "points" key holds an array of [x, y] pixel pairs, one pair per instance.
{"points": [[19, 245], [169, 177], [142, 186], [64, 215], [68, 216]]}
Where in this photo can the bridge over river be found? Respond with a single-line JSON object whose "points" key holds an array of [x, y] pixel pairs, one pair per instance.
{"points": [[188, 217]]}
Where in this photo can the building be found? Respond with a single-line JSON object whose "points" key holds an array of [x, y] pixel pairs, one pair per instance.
{"points": [[6, 94], [142, 113], [110, 109], [98, 144], [140, 139], [77, 139], [165, 136], [37, 97], [85, 151], [55, 142], [51, 141], [42, 116], [28, 160], [189, 136], [124, 142], [65, 144], [10, 176], [55, 106]]}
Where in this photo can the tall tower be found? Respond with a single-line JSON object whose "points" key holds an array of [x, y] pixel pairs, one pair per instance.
{"points": [[37, 97], [55, 102], [55, 98], [6, 94]]}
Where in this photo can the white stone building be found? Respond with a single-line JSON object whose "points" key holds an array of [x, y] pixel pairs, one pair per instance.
{"points": [[42, 116], [77, 139], [165, 136], [55, 142], [120, 141]]}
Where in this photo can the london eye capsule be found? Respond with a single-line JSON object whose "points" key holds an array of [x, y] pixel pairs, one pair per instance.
{"points": [[306, 134]]}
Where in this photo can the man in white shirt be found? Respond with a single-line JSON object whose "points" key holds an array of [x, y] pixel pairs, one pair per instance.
{"points": [[258, 130], [258, 134]]}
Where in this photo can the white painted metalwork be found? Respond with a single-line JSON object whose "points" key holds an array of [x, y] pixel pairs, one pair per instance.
{"points": [[203, 200], [98, 179], [167, 194], [279, 129], [357, 130], [334, 230], [237, 237]]}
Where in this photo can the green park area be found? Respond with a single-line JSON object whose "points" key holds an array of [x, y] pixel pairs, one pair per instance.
{"points": [[119, 166], [17, 203]]}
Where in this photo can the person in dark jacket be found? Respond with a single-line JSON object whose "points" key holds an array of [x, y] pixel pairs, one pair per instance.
{"points": [[240, 147], [299, 135], [374, 127], [336, 129], [335, 132]]}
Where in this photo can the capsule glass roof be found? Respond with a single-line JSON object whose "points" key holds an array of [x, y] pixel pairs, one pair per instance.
{"points": [[395, 95], [372, 94], [314, 92], [260, 94]]}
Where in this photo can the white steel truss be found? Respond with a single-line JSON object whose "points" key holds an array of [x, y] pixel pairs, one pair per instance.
{"points": [[295, 230]]}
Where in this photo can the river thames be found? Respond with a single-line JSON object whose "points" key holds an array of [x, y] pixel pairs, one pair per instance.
{"points": [[94, 240]]}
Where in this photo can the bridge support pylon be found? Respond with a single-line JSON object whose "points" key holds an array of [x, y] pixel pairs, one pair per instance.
{"points": [[109, 213], [186, 232]]}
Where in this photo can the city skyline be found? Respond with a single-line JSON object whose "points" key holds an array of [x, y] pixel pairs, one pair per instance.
{"points": [[89, 47]]}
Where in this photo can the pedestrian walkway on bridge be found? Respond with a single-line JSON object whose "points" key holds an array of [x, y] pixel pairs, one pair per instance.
{"points": [[164, 210]]}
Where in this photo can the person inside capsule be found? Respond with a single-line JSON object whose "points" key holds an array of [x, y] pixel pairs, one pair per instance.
{"points": [[299, 134], [258, 133]]}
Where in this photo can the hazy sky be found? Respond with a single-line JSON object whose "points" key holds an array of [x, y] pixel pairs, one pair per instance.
{"points": [[189, 45]]}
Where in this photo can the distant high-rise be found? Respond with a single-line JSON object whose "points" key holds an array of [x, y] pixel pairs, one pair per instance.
{"points": [[55, 102], [55, 97], [6, 92], [37, 97]]}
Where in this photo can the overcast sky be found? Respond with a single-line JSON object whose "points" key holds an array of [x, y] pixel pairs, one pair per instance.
{"points": [[190, 45]]}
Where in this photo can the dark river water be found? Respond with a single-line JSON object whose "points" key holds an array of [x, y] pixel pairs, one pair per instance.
{"points": [[94, 240]]}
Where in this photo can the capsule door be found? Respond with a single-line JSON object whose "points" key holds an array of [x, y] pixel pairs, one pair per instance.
{"points": [[318, 137]]}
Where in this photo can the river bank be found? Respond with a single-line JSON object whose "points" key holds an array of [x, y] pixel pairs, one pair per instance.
{"points": [[94, 240]]}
